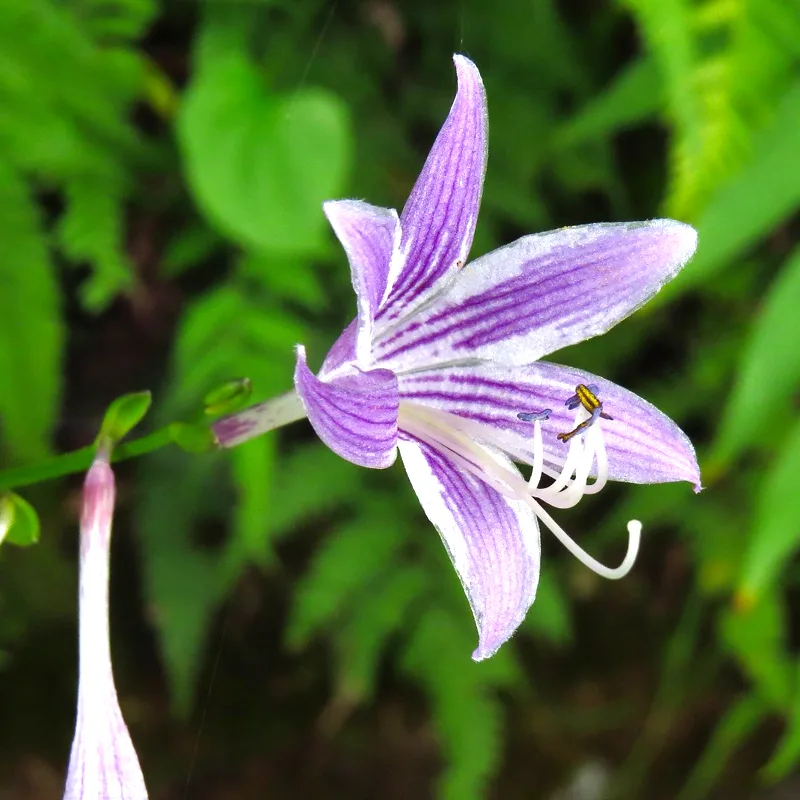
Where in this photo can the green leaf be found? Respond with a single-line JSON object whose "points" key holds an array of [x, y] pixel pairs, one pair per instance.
{"points": [[188, 249], [757, 637], [774, 534], [311, 482], [123, 415], [25, 529], [254, 476], [752, 202], [259, 164], [32, 333], [769, 374], [468, 719], [739, 722], [184, 584], [6, 515], [228, 398], [352, 558], [362, 636], [92, 230]]}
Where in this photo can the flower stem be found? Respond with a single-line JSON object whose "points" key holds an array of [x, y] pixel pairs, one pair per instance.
{"points": [[80, 460]]}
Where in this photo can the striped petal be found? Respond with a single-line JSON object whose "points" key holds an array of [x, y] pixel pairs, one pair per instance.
{"points": [[355, 415], [540, 294], [643, 445], [369, 236], [492, 540], [438, 221]]}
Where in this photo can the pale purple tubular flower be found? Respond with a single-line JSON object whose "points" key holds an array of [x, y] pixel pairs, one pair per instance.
{"points": [[442, 363], [103, 764]]}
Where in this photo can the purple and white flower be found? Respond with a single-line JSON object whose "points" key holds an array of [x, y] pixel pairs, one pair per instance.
{"points": [[103, 762], [443, 358]]}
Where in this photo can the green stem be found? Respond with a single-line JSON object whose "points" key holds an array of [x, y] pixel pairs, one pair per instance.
{"points": [[80, 460]]}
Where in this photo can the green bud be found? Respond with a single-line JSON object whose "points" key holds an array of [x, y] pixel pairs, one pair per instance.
{"points": [[228, 398], [192, 438], [19, 522], [124, 414]]}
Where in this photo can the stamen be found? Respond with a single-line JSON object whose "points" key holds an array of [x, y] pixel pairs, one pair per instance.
{"points": [[533, 416], [595, 415], [439, 431], [613, 574]]}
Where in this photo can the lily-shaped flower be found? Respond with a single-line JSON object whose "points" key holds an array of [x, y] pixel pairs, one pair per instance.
{"points": [[103, 762], [442, 364]]}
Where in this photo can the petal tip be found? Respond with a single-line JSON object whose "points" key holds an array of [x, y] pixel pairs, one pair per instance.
{"points": [[681, 238], [486, 650], [466, 70]]}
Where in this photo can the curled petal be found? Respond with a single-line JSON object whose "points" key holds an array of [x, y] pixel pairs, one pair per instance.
{"points": [[438, 221], [355, 415], [492, 540], [369, 235], [541, 293], [643, 445]]}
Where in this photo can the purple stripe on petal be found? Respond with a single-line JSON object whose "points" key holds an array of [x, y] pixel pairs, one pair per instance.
{"points": [[368, 234], [541, 293], [493, 541], [356, 416], [643, 445], [438, 221]]}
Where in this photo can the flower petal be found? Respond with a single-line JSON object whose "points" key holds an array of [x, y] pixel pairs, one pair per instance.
{"points": [[103, 761], [356, 416], [643, 445], [438, 221], [492, 540], [369, 235], [542, 293]]}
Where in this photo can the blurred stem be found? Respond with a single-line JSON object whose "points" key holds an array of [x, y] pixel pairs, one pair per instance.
{"points": [[80, 460]]}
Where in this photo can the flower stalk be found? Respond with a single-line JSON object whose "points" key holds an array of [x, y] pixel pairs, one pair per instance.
{"points": [[103, 764]]}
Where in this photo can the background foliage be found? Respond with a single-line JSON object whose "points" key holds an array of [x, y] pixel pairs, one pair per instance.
{"points": [[285, 624]]}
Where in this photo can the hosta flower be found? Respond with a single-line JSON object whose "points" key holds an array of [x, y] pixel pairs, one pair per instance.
{"points": [[442, 364], [103, 762]]}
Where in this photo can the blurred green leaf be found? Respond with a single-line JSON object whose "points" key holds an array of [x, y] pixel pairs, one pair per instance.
{"points": [[635, 95], [92, 230], [467, 716], [774, 534], [785, 757], [260, 164], [350, 558], [229, 397], [6, 515], [769, 374], [32, 337], [253, 473], [752, 202], [184, 584], [25, 528], [757, 637], [188, 248], [739, 722], [363, 634], [124, 414]]}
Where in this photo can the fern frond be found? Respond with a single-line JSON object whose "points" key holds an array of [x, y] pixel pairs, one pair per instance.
{"points": [[724, 63], [32, 336]]}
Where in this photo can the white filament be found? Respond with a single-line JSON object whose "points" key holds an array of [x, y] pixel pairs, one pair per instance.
{"points": [[455, 437]]}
